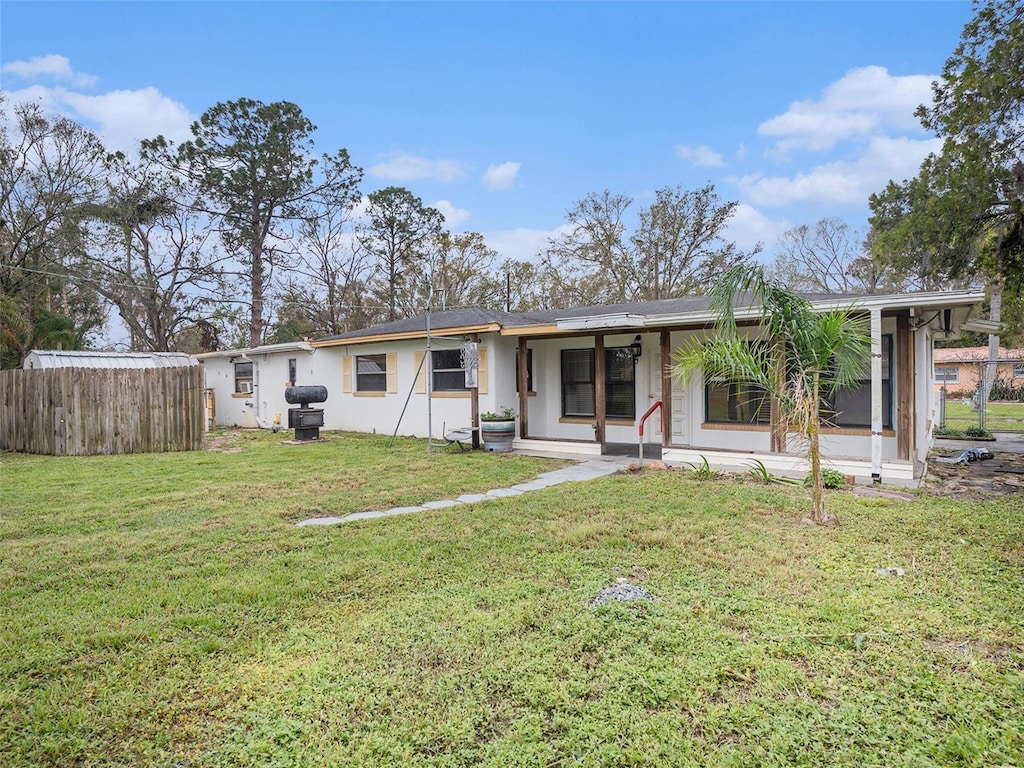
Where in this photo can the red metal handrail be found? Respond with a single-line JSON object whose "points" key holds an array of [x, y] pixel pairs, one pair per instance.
{"points": [[643, 420]]}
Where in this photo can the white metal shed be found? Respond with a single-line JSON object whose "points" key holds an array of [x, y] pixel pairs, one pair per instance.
{"points": [[59, 358]]}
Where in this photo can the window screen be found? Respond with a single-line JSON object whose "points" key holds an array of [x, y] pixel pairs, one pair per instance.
{"points": [[371, 373]]}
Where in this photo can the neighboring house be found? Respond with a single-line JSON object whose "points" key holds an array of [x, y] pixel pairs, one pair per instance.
{"points": [[582, 379], [960, 370]]}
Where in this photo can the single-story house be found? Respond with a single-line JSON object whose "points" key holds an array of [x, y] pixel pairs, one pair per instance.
{"points": [[960, 370], [582, 381]]}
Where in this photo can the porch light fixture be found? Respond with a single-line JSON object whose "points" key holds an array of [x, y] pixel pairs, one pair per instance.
{"points": [[635, 349]]}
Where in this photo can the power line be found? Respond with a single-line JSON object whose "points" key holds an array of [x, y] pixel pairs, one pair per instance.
{"points": [[97, 281]]}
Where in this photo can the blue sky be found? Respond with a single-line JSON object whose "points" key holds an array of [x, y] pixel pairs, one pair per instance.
{"points": [[504, 114]]}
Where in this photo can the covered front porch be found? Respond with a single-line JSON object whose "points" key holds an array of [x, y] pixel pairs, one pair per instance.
{"points": [[584, 386]]}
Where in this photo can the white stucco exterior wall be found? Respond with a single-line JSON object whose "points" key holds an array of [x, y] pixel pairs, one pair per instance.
{"points": [[270, 378]]}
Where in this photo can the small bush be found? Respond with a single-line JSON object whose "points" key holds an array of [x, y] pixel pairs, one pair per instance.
{"points": [[703, 471], [759, 472], [977, 432], [1005, 390], [832, 478]]}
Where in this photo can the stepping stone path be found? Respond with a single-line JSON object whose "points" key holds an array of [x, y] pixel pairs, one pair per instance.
{"points": [[586, 470]]}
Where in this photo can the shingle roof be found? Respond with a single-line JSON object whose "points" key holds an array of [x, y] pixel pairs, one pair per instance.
{"points": [[472, 317], [439, 321], [469, 317]]}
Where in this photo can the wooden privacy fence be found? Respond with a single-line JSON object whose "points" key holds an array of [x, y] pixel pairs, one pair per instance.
{"points": [[82, 411]]}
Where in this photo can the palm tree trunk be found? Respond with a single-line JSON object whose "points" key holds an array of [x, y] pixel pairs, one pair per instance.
{"points": [[814, 447]]}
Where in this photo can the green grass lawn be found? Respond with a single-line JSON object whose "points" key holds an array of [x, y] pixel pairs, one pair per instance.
{"points": [[999, 417], [164, 610]]}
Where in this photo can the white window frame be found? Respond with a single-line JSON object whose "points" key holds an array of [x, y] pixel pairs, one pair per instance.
{"points": [[946, 371], [244, 383]]}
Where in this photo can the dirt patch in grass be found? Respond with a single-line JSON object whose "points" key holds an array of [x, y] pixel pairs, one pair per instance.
{"points": [[976, 479]]}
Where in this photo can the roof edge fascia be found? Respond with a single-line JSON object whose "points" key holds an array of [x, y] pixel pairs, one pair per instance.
{"points": [[407, 335], [266, 349], [598, 322], [865, 303]]}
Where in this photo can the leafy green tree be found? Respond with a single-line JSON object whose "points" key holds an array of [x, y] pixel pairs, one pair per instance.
{"points": [[51, 170], [962, 216], [801, 358], [396, 234], [257, 174]]}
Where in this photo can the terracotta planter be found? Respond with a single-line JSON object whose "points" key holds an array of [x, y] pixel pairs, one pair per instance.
{"points": [[498, 435]]}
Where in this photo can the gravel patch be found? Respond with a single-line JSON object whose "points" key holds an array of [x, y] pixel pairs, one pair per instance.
{"points": [[622, 591]]}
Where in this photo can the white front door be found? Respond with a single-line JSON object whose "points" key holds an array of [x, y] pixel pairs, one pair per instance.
{"points": [[680, 403]]}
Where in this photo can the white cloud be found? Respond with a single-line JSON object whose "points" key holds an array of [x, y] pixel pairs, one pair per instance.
{"points": [[522, 243], [843, 182], [702, 156], [748, 226], [51, 66], [401, 166], [864, 102], [120, 118], [124, 117], [453, 216], [502, 176], [361, 207]]}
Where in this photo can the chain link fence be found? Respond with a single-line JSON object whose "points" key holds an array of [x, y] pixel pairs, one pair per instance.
{"points": [[963, 403]]}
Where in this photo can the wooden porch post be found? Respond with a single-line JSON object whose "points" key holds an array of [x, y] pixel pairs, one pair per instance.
{"points": [[666, 388], [599, 409], [524, 396], [906, 403]]}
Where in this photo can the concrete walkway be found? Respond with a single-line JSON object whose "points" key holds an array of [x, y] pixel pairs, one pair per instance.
{"points": [[585, 470]]}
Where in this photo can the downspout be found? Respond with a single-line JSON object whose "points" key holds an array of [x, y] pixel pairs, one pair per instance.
{"points": [[257, 392]]}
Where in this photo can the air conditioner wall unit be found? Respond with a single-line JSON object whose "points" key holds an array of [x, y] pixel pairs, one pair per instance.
{"points": [[245, 386]]}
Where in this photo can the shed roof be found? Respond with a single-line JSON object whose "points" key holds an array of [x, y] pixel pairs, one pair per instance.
{"points": [[59, 358]]}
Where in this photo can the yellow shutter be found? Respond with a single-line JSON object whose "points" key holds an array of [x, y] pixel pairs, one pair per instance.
{"points": [[481, 375], [392, 366], [421, 375], [346, 373]]}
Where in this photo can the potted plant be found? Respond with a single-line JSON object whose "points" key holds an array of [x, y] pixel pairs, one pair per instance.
{"points": [[498, 429]]}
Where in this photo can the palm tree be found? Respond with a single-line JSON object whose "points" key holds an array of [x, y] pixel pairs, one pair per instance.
{"points": [[802, 358]]}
